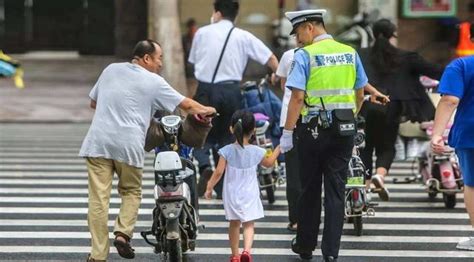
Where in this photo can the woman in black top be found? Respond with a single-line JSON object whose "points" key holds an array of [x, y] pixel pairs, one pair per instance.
{"points": [[394, 72]]}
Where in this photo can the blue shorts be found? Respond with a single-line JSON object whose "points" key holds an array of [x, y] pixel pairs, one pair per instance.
{"points": [[466, 162]]}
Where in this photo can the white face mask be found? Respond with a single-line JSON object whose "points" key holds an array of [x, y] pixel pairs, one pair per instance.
{"points": [[393, 41]]}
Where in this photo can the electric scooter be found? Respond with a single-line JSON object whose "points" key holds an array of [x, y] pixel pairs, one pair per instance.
{"points": [[175, 220], [357, 203], [440, 173]]}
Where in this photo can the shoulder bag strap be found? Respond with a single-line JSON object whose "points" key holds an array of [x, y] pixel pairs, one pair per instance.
{"points": [[222, 53]]}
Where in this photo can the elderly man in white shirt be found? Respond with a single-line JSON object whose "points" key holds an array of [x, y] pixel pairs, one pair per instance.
{"points": [[220, 53], [124, 97]]}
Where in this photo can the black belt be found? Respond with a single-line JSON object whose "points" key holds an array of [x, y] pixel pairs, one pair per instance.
{"points": [[229, 82]]}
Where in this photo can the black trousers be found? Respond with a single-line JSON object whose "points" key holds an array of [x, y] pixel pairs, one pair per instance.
{"points": [[323, 159], [226, 98], [380, 135], [293, 184]]}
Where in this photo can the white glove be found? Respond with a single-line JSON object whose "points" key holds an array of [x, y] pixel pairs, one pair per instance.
{"points": [[286, 141]]}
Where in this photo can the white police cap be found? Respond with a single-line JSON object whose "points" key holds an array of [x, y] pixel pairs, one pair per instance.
{"points": [[298, 17]]}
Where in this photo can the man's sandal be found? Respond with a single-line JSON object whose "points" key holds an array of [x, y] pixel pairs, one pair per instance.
{"points": [[124, 249]]}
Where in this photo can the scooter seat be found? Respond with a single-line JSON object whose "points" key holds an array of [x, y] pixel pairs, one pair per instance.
{"points": [[260, 123]]}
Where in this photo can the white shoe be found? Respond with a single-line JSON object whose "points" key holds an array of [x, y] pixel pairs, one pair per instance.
{"points": [[466, 244], [368, 197], [399, 149], [378, 181], [413, 148]]}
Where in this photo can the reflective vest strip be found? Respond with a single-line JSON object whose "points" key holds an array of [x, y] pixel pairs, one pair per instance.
{"points": [[330, 92], [332, 106]]}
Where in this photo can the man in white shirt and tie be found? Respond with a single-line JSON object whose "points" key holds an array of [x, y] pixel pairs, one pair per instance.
{"points": [[220, 53]]}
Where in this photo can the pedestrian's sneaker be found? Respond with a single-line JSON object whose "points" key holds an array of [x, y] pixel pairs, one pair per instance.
{"points": [[368, 197], [234, 259], [413, 148], [399, 149], [466, 244], [246, 257], [378, 182]]}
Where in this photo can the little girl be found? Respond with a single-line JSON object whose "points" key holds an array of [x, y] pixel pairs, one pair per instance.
{"points": [[241, 193]]}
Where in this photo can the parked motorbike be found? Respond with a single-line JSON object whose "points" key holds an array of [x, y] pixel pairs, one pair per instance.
{"points": [[268, 178], [440, 173], [175, 220], [257, 97], [359, 32], [357, 203], [10, 68]]}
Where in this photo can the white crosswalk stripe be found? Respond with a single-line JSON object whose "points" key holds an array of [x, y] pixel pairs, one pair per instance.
{"points": [[43, 208]]}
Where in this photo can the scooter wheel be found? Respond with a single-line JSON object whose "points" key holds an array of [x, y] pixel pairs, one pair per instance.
{"points": [[175, 251], [449, 200], [268, 179], [357, 221], [432, 195], [349, 220]]}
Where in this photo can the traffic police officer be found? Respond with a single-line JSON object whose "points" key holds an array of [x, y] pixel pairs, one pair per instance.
{"points": [[327, 81], [220, 53]]}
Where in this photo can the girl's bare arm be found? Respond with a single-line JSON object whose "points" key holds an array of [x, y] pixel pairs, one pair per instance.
{"points": [[269, 161], [217, 175]]}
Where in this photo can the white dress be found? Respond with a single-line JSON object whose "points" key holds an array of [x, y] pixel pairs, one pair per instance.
{"points": [[241, 193]]}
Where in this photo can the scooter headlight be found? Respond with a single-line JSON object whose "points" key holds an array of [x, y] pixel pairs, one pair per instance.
{"points": [[171, 124]]}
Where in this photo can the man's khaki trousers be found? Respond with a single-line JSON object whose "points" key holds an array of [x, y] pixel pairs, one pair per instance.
{"points": [[101, 172]]}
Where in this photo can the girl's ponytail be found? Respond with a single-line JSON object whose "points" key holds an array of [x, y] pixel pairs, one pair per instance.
{"points": [[243, 125], [238, 132], [384, 56]]}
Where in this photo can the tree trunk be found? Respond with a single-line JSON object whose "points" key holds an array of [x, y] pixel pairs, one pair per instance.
{"points": [[163, 21]]}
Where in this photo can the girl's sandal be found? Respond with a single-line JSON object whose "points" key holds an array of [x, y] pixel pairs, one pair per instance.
{"points": [[246, 257]]}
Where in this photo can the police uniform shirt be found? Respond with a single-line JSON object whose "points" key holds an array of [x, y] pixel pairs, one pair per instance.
{"points": [[300, 71], [242, 45]]}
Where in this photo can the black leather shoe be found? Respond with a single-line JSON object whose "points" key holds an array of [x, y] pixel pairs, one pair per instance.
{"points": [[304, 254], [330, 259]]}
